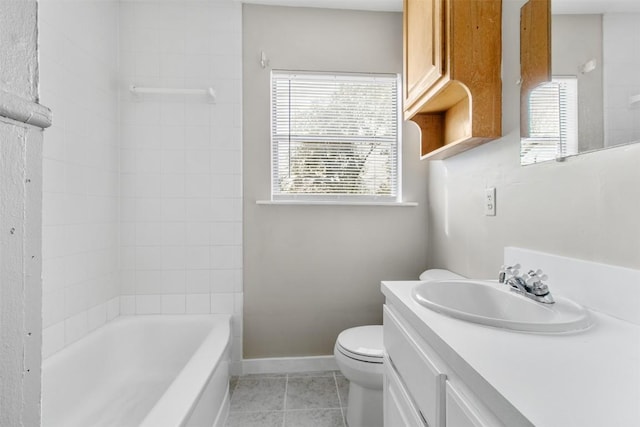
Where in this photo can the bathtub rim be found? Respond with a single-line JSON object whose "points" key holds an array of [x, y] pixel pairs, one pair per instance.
{"points": [[173, 408], [219, 336]]}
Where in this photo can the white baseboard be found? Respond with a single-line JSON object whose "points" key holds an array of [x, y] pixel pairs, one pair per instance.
{"points": [[276, 365]]}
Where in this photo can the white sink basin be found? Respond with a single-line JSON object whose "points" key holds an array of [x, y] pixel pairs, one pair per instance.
{"points": [[493, 304]]}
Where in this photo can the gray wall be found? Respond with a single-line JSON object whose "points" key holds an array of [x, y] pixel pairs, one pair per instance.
{"points": [[586, 207], [312, 271]]}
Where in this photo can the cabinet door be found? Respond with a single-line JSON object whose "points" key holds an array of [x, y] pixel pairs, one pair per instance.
{"points": [[461, 411], [423, 46], [398, 408], [416, 368]]}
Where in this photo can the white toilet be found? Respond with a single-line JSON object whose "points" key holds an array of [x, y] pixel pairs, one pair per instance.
{"points": [[358, 352]]}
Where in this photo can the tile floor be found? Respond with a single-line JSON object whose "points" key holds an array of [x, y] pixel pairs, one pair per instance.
{"points": [[306, 399]]}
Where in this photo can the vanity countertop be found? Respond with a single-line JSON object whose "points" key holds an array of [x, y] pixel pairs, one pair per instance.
{"points": [[585, 378]]}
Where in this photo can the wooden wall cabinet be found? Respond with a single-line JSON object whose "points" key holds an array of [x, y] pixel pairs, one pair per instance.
{"points": [[452, 67], [535, 53]]}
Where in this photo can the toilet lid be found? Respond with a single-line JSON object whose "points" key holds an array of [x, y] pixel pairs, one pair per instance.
{"points": [[363, 341]]}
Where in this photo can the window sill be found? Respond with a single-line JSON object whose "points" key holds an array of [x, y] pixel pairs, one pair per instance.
{"points": [[334, 203]]}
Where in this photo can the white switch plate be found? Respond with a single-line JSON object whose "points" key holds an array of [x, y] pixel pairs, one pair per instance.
{"points": [[490, 201]]}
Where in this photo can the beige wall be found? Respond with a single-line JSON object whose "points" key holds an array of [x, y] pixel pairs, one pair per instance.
{"points": [[312, 271], [586, 207]]}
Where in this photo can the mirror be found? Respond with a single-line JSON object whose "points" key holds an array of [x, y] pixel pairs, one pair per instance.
{"points": [[580, 77]]}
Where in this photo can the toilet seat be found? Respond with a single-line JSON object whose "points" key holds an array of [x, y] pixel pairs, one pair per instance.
{"points": [[363, 343]]}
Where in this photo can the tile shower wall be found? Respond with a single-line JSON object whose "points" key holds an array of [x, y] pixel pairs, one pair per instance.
{"points": [[78, 69], [621, 44], [181, 206]]}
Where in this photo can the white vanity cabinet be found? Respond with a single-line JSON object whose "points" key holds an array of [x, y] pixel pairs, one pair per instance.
{"points": [[420, 389]]}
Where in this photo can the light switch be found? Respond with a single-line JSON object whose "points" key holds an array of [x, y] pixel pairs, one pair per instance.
{"points": [[490, 201]]}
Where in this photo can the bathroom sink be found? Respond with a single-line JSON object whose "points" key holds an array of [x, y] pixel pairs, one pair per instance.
{"points": [[493, 304]]}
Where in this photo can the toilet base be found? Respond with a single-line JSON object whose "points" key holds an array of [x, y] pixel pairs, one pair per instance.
{"points": [[364, 407]]}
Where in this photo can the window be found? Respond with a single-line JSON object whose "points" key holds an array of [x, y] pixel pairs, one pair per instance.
{"points": [[553, 121], [334, 137]]}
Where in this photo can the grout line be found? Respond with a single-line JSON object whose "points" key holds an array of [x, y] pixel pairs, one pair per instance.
{"points": [[335, 380], [284, 405]]}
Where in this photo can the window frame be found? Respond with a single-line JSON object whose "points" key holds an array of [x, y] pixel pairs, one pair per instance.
{"points": [[339, 199], [540, 148]]}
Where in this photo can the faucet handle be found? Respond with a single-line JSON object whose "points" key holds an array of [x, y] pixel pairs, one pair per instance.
{"points": [[541, 274], [538, 274], [507, 272], [535, 283]]}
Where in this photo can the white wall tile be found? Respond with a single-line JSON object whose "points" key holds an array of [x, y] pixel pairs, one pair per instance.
{"points": [[173, 162], [226, 161], [148, 282], [198, 186], [148, 234], [236, 320], [174, 281], [147, 64], [183, 216], [173, 114], [148, 304], [222, 303], [173, 185], [226, 257], [198, 233], [223, 281], [174, 233], [226, 186], [226, 233], [52, 339], [149, 209], [172, 41], [172, 136], [197, 162], [174, 257], [75, 327], [197, 258], [198, 210], [55, 271], [151, 222], [149, 258], [173, 210], [113, 308], [198, 304], [97, 316], [53, 308], [148, 186], [149, 161], [197, 137], [198, 281], [173, 304]]}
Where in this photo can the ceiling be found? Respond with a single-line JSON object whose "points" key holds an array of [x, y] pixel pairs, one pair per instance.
{"points": [[376, 5], [559, 6], [595, 6]]}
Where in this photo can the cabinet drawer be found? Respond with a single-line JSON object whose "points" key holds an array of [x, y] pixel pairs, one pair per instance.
{"points": [[461, 411], [398, 408], [424, 381]]}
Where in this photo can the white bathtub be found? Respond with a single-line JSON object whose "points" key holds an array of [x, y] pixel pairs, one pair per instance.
{"points": [[151, 371]]}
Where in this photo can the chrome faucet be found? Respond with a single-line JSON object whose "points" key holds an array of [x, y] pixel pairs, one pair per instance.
{"points": [[530, 284]]}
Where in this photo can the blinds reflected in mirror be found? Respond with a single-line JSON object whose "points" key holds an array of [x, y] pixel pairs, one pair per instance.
{"points": [[553, 121]]}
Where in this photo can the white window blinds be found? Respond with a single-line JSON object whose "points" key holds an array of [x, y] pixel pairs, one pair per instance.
{"points": [[553, 121], [334, 137]]}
